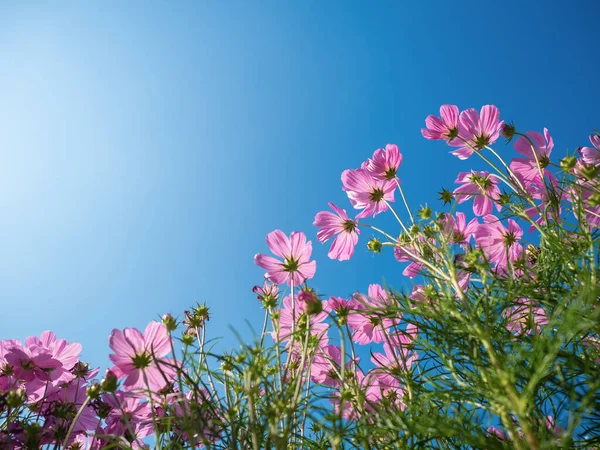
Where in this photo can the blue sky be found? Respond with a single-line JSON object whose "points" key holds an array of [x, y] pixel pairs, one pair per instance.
{"points": [[147, 148]]}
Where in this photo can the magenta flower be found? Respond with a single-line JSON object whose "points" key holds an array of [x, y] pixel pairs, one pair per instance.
{"points": [[527, 168], [444, 128], [42, 360], [290, 314], [384, 389], [591, 155], [481, 185], [499, 244], [346, 229], [367, 193], [268, 292], [128, 414], [384, 164], [367, 319], [397, 357], [295, 252], [457, 229], [326, 366], [138, 357], [413, 253], [478, 131], [525, 317]]}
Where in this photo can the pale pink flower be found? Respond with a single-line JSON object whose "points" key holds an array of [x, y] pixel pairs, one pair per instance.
{"points": [[527, 169], [366, 320], [413, 253], [128, 414], [367, 193], [525, 317], [384, 164], [339, 223], [268, 291], [397, 357], [591, 155], [292, 313], [326, 366], [384, 389], [478, 131], [481, 185], [500, 244], [140, 358], [442, 128], [295, 251], [457, 229]]}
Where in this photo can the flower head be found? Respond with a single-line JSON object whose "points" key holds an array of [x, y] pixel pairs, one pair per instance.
{"points": [[137, 357], [341, 225], [384, 164], [295, 252], [444, 127], [481, 185], [367, 193], [500, 244], [478, 130]]}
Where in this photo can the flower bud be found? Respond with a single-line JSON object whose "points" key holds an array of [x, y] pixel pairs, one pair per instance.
{"points": [[567, 163], [169, 321], [425, 212], [94, 390], [446, 196], [110, 381], [16, 397], [508, 131], [594, 200], [188, 339], [313, 304], [374, 245]]}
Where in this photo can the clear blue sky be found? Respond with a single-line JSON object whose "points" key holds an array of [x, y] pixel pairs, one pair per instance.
{"points": [[147, 147]]}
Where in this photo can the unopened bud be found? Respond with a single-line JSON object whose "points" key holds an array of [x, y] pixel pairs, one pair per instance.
{"points": [[508, 131], [169, 321], [425, 212], [567, 163], [446, 196], [110, 382], [16, 397], [374, 245], [94, 390]]}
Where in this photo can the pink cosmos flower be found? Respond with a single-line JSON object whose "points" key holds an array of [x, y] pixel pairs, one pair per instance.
{"points": [[411, 253], [458, 230], [478, 130], [397, 357], [585, 191], [346, 229], [128, 415], [385, 391], [384, 164], [326, 366], [444, 128], [268, 291], [138, 357], [591, 155], [367, 193], [349, 409], [295, 252], [525, 317], [527, 168], [62, 403], [42, 359], [366, 322], [290, 314], [499, 244], [483, 186]]}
